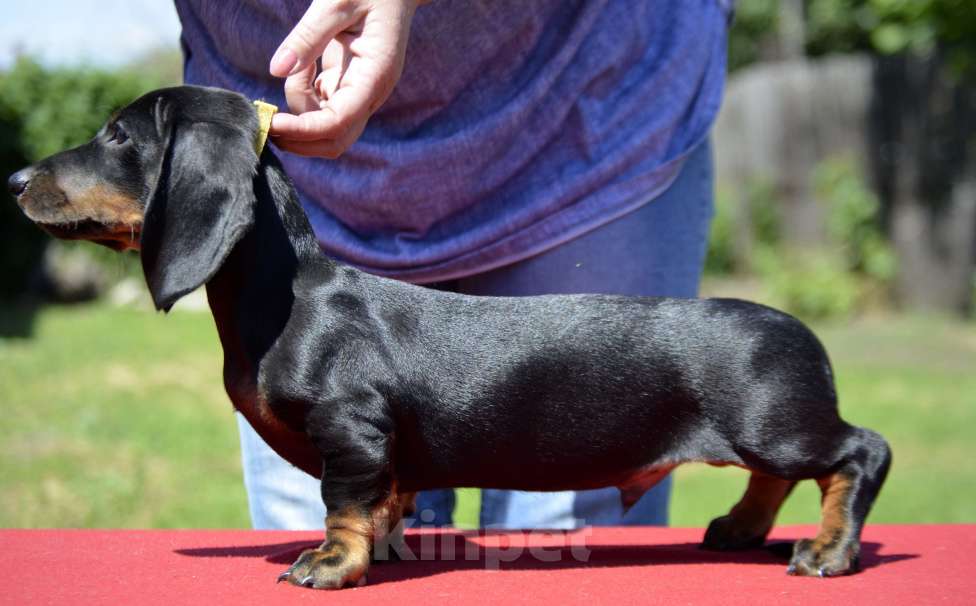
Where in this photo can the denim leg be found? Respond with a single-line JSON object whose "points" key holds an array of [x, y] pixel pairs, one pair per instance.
{"points": [[659, 249], [651, 509], [569, 509], [279, 495], [434, 508]]}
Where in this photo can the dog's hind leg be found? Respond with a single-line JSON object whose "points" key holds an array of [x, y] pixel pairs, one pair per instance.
{"points": [[848, 493], [747, 525]]}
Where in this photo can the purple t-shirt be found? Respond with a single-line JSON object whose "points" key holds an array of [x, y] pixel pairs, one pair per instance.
{"points": [[516, 125]]}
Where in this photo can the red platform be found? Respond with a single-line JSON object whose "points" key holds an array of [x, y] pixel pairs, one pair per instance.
{"points": [[902, 565]]}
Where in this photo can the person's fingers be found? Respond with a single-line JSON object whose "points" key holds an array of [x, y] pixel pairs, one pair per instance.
{"points": [[307, 126], [300, 91], [317, 27], [320, 149], [361, 63], [360, 69], [335, 61], [356, 98], [324, 148]]}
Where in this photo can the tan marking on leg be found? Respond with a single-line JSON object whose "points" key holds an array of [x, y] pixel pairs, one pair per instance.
{"points": [[352, 520], [834, 550], [756, 510], [408, 504], [386, 515], [835, 504], [633, 487], [749, 521], [349, 538], [350, 534], [388, 527], [344, 557]]}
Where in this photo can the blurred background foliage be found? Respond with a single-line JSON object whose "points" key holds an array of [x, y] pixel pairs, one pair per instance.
{"points": [[116, 417], [899, 229], [844, 26], [57, 108], [851, 272]]}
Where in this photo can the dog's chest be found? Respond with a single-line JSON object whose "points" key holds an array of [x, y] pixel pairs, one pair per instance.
{"points": [[293, 446]]}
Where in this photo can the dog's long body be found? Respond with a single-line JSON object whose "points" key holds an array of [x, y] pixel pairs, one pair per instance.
{"points": [[383, 388]]}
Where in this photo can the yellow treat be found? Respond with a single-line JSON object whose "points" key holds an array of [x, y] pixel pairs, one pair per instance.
{"points": [[265, 112]]}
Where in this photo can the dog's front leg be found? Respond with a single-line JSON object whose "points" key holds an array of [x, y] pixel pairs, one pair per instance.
{"points": [[357, 488]]}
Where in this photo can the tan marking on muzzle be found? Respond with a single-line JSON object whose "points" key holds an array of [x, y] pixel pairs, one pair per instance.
{"points": [[106, 213], [107, 206]]}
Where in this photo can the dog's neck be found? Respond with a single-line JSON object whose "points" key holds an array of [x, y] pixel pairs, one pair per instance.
{"points": [[252, 294]]}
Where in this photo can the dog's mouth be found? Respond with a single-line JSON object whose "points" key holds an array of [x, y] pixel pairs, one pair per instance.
{"points": [[99, 214], [118, 236]]}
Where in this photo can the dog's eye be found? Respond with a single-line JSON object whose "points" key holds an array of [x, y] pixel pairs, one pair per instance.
{"points": [[117, 134]]}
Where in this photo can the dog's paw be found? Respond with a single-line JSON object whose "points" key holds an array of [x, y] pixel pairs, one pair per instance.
{"points": [[328, 567], [727, 534], [812, 560]]}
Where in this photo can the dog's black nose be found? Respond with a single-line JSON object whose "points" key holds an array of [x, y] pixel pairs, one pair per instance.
{"points": [[18, 181]]}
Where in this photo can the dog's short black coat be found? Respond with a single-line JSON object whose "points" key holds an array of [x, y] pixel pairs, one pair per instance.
{"points": [[384, 388]]}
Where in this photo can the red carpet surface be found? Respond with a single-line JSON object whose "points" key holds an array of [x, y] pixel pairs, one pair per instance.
{"points": [[616, 566]]}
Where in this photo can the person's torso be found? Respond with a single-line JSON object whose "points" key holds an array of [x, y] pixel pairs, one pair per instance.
{"points": [[512, 123]]}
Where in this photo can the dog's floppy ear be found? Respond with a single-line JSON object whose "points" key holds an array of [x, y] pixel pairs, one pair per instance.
{"points": [[201, 205]]}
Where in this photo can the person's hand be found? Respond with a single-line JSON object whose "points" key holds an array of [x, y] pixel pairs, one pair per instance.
{"points": [[362, 44]]}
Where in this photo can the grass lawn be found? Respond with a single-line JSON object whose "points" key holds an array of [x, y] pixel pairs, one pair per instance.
{"points": [[117, 418]]}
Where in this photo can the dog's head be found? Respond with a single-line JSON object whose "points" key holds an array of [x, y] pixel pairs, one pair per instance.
{"points": [[170, 175]]}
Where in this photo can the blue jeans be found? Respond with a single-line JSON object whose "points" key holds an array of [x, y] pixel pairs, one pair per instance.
{"points": [[659, 249]]}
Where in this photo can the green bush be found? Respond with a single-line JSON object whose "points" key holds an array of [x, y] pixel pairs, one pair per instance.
{"points": [[852, 220], [853, 267], [720, 259], [876, 26], [812, 284], [64, 107], [755, 22], [764, 212], [764, 227], [895, 26]]}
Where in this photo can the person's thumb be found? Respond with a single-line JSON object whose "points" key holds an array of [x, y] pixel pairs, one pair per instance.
{"points": [[323, 20]]}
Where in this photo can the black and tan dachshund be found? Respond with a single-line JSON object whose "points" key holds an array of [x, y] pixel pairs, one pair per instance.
{"points": [[383, 388]]}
